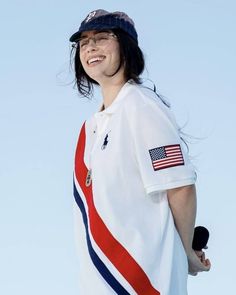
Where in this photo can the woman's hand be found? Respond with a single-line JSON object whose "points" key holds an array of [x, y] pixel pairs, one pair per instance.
{"points": [[197, 262], [182, 202]]}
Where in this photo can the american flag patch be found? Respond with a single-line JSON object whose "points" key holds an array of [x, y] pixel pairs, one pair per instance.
{"points": [[166, 157]]}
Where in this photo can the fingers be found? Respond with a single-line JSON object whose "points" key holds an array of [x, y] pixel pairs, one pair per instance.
{"points": [[198, 263], [203, 258], [207, 264], [199, 253]]}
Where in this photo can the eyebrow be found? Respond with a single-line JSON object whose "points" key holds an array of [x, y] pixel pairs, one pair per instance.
{"points": [[95, 33]]}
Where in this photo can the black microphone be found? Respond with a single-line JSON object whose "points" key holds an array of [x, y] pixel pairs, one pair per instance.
{"points": [[200, 238]]}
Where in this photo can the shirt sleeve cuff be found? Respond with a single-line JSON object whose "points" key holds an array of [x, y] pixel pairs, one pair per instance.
{"points": [[174, 184]]}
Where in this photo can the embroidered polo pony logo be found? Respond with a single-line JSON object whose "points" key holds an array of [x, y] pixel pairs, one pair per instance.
{"points": [[105, 142]]}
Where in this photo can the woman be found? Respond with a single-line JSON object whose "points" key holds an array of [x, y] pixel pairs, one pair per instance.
{"points": [[133, 182]]}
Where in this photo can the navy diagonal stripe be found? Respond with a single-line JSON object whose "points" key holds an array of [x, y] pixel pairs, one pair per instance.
{"points": [[101, 267]]}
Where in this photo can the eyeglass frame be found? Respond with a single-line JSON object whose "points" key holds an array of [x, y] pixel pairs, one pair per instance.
{"points": [[77, 42]]}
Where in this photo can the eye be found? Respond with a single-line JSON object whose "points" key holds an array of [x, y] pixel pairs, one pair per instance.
{"points": [[83, 42], [101, 37]]}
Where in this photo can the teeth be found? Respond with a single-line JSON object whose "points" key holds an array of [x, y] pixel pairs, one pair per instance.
{"points": [[95, 59]]}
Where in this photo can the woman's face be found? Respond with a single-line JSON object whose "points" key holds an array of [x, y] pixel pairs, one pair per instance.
{"points": [[100, 55]]}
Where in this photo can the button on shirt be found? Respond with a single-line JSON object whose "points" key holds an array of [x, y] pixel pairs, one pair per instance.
{"points": [[127, 241]]}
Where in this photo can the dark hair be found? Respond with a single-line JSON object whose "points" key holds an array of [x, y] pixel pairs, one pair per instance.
{"points": [[131, 57]]}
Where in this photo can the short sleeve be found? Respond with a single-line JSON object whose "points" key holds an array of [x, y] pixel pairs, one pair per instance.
{"points": [[161, 154]]}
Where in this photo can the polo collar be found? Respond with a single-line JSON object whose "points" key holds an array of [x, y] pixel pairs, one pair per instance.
{"points": [[117, 101]]}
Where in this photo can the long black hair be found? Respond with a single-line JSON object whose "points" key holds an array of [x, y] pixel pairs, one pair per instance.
{"points": [[131, 57]]}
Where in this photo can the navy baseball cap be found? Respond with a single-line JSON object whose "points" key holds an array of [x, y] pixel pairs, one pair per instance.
{"points": [[103, 20]]}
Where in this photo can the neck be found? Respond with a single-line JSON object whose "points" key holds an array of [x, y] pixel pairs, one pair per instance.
{"points": [[110, 90]]}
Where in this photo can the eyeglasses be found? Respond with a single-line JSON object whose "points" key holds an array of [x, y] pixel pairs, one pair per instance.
{"points": [[99, 39]]}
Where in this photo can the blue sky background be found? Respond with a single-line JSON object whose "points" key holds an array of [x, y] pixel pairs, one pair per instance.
{"points": [[190, 49]]}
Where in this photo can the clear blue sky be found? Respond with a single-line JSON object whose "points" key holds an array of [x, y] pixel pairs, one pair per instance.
{"points": [[190, 53]]}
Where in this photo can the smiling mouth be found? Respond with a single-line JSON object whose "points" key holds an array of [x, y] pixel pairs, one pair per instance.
{"points": [[95, 60]]}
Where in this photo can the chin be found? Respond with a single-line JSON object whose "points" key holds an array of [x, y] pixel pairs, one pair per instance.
{"points": [[98, 77]]}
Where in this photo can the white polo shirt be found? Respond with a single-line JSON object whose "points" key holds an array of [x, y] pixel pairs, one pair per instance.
{"points": [[127, 241]]}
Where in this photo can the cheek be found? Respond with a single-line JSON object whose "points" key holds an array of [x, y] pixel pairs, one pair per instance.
{"points": [[115, 53], [82, 60]]}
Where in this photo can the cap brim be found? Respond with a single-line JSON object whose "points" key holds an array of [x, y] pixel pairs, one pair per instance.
{"points": [[75, 37], [92, 27]]}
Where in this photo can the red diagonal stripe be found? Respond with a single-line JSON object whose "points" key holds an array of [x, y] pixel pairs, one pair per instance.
{"points": [[114, 251]]}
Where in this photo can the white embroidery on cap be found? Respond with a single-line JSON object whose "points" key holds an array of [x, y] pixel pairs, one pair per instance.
{"points": [[91, 15]]}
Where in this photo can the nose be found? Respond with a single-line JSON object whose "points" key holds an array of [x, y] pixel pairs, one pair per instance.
{"points": [[91, 46]]}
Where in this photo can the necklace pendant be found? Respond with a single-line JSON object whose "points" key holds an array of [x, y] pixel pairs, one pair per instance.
{"points": [[88, 178]]}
